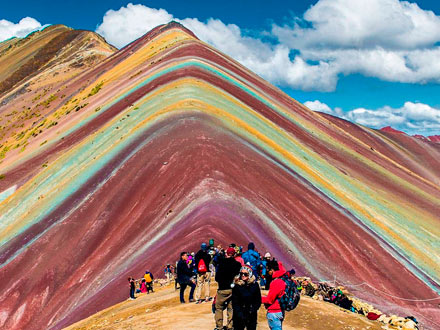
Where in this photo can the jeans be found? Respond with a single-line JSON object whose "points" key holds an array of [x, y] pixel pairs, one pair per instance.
{"points": [[275, 320], [132, 293], [182, 291]]}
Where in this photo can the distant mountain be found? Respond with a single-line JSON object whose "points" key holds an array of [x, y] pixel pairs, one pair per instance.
{"points": [[432, 138], [112, 163], [389, 129]]}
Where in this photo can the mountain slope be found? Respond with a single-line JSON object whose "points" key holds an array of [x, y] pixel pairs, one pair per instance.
{"points": [[169, 142], [33, 76]]}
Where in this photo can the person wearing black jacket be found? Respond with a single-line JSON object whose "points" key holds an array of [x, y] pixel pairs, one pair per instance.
{"points": [[184, 275], [203, 274], [227, 269], [246, 300]]}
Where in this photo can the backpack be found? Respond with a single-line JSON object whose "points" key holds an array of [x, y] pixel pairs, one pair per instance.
{"points": [[291, 296], [201, 268]]}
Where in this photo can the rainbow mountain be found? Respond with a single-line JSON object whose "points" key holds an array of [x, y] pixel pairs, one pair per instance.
{"points": [[112, 162]]}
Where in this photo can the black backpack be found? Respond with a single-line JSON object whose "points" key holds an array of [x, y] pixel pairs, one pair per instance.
{"points": [[290, 299]]}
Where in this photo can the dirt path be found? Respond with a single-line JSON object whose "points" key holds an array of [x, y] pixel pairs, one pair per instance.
{"points": [[162, 310]]}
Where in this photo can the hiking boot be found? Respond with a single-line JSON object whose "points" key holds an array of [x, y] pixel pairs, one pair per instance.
{"points": [[191, 300], [182, 302]]}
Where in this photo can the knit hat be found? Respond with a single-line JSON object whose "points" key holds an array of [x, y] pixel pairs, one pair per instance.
{"points": [[246, 268], [267, 255], [230, 251], [251, 246], [204, 246]]}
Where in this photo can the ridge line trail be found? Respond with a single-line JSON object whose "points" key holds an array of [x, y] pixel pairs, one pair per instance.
{"points": [[163, 311]]}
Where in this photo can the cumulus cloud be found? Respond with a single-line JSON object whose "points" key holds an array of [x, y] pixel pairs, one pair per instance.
{"points": [[20, 29], [412, 118], [363, 24], [318, 106], [122, 26], [388, 39]]}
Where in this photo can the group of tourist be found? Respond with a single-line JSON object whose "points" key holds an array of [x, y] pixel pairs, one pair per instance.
{"points": [[239, 276], [145, 284]]}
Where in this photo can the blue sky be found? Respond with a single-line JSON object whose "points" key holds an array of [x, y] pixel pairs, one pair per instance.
{"points": [[375, 62]]}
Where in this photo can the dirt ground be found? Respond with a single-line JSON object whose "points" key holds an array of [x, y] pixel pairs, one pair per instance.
{"points": [[162, 310]]}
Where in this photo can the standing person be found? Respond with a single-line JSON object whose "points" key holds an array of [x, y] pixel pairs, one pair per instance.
{"points": [[202, 261], [264, 263], [184, 275], [211, 243], [246, 300], [275, 315], [175, 276], [149, 280], [132, 287], [219, 255], [270, 264], [227, 269], [191, 263], [252, 258], [167, 272], [238, 256]]}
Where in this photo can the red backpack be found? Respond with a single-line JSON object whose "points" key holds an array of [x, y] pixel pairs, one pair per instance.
{"points": [[201, 268]]}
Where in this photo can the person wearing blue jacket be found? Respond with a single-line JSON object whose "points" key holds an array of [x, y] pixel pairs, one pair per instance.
{"points": [[252, 258]]}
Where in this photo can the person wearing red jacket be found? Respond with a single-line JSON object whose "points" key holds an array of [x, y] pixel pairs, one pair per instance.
{"points": [[275, 315]]}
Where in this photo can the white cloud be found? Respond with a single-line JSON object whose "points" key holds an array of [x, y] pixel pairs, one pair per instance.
{"points": [[318, 106], [119, 27], [20, 29], [412, 118], [388, 39], [363, 24]]}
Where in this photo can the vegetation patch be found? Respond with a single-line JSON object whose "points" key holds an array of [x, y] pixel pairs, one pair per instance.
{"points": [[47, 102], [3, 151], [96, 89]]}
